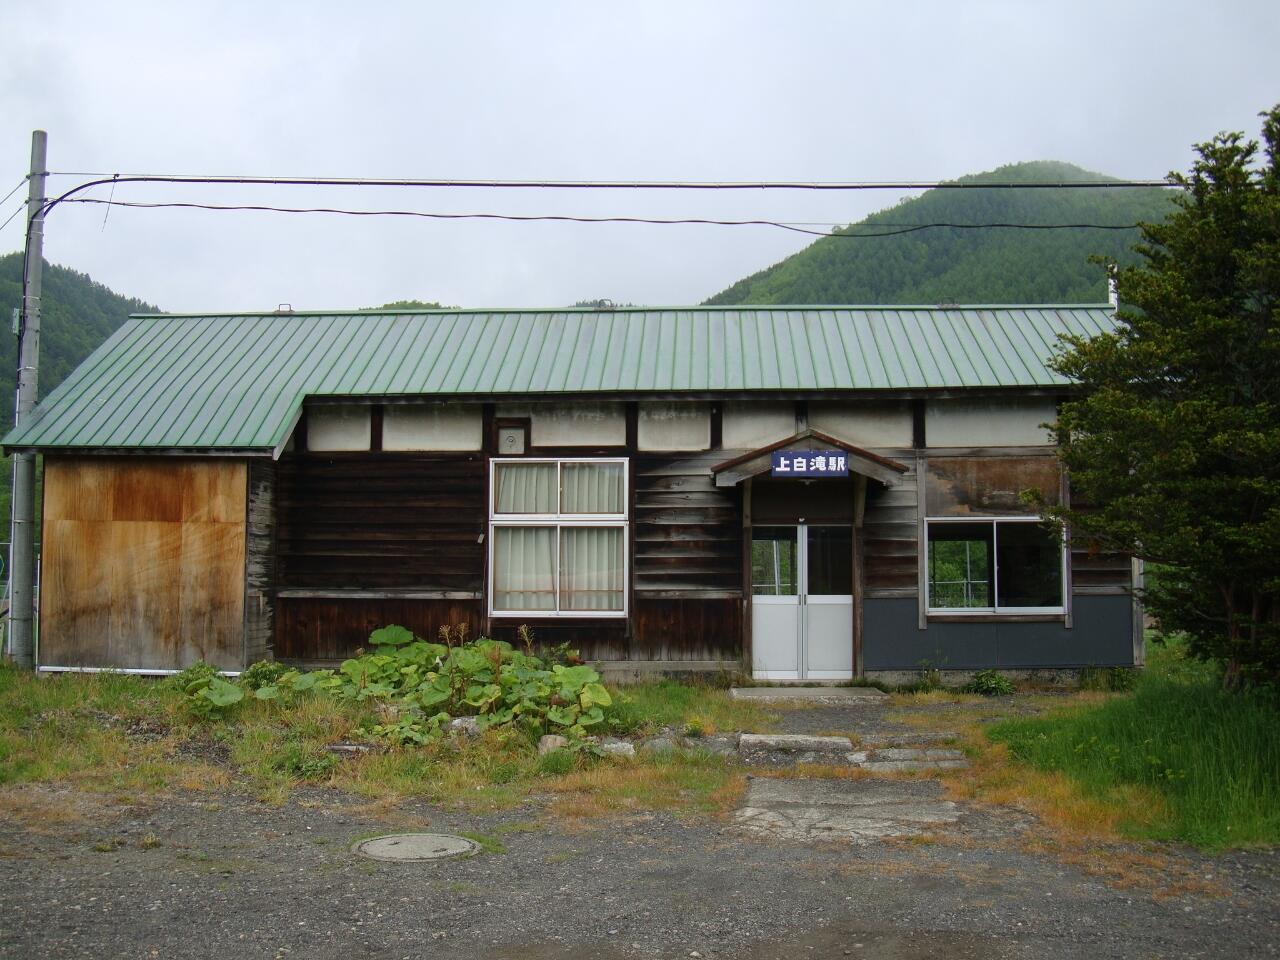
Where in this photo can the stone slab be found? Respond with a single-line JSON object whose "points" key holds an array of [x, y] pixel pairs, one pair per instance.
{"points": [[858, 811], [845, 695], [916, 753], [907, 738], [887, 766], [792, 743]]}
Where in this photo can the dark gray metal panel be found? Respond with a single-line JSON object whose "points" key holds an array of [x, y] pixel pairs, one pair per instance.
{"points": [[1101, 636]]}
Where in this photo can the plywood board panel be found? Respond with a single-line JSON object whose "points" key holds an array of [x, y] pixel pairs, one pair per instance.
{"points": [[75, 593], [143, 569], [154, 578], [146, 492]]}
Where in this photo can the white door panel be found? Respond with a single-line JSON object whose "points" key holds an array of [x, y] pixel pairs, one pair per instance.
{"points": [[829, 636], [795, 635], [775, 638]]}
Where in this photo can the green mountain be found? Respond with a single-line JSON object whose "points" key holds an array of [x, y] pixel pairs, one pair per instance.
{"points": [[951, 265], [76, 315]]}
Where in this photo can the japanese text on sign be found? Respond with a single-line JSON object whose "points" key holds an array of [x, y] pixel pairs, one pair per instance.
{"points": [[810, 463]]}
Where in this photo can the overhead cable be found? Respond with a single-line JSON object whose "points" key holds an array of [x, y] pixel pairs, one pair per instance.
{"points": [[897, 229], [513, 184]]}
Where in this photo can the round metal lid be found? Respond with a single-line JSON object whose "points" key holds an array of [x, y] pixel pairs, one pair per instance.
{"points": [[415, 847]]}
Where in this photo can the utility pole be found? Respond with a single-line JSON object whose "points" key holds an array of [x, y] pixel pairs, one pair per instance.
{"points": [[22, 567]]}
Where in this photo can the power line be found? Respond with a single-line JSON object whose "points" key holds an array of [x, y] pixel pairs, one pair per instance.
{"points": [[897, 229], [16, 187], [100, 178], [9, 219]]}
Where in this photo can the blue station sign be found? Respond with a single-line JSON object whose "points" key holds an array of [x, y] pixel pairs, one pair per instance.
{"points": [[810, 463]]}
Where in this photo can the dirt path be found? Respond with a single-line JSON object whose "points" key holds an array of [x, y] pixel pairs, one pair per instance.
{"points": [[204, 875]]}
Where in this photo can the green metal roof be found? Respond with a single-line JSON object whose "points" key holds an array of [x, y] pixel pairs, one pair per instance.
{"points": [[237, 382]]}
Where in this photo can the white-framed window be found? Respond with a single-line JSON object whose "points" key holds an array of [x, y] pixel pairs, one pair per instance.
{"points": [[1009, 565], [558, 537]]}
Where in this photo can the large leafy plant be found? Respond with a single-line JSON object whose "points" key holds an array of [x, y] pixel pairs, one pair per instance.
{"points": [[420, 686]]}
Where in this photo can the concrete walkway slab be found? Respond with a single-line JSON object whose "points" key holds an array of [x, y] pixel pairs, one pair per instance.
{"points": [[788, 749], [858, 811], [843, 695]]}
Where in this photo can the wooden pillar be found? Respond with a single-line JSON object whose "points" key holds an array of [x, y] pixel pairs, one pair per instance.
{"points": [[746, 574], [859, 513]]}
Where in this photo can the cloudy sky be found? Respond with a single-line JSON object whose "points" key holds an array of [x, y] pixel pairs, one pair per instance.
{"points": [[554, 90]]}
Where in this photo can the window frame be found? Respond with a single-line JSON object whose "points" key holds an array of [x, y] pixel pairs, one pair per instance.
{"points": [[995, 610], [560, 520]]}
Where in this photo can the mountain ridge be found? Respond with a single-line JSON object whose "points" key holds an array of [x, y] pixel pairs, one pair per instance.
{"points": [[955, 264]]}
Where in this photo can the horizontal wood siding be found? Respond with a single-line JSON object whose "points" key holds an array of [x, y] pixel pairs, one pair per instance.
{"points": [[890, 540], [1095, 571], [593, 639], [144, 562], [312, 628], [381, 520], [687, 532], [383, 525], [704, 629]]}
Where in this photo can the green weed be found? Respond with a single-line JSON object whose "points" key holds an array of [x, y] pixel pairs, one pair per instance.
{"points": [[1211, 758]]}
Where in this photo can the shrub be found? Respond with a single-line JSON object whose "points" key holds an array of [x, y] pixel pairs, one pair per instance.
{"points": [[206, 694], [264, 673], [197, 671], [989, 683]]}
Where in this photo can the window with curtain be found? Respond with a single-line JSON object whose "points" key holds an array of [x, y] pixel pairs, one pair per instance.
{"points": [[1006, 565], [558, 537]]}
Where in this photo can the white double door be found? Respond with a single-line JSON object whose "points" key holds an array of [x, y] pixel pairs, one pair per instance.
{"points": [[802, 602]]}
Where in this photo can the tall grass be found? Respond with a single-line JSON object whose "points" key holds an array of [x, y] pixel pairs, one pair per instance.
{"points": [[1207, 761]]}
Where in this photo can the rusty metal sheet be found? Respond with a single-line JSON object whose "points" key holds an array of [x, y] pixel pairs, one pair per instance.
{"points": [[988, 486]]}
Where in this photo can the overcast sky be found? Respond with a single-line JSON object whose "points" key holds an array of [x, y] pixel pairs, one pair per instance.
{"points": [[593, 90]]}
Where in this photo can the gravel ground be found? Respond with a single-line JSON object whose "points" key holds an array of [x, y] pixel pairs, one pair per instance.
{"points": [[199, 875]]}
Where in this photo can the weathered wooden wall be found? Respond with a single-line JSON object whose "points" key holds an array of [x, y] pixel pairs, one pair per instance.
{"points": [[371, 538], [144, 562], [687, 561], [891, 539], [333, 628], [688, 532], [260, 562], [381, 521], [1097, 572]]}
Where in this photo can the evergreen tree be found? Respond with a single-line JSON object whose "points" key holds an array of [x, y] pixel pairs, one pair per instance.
{"points": [[1175, 438]]}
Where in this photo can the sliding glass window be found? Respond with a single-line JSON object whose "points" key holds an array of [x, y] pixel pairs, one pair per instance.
{"points": [[558, 538], [1004, 565]]}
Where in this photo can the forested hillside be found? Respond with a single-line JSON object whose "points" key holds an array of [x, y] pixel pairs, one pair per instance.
{"points": [[77, 314], [949, 265]]}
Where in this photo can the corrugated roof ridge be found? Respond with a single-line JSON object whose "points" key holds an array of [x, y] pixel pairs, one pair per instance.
{"points": [[687, 308]]}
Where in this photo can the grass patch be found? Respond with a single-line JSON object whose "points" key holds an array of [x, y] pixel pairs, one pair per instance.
{"points": [[487, 843], [1176, 759], [127, 736], [698, 708]]}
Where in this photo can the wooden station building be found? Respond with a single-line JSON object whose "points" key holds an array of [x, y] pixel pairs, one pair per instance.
{"points": [[810, 492]]}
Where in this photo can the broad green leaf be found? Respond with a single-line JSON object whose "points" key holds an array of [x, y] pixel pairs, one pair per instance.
{"points": [[391, 636], [221, 693], [594, 694]]}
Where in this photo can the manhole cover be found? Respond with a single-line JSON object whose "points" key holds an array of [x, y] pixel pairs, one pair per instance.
{"points": [[413, 847]]}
